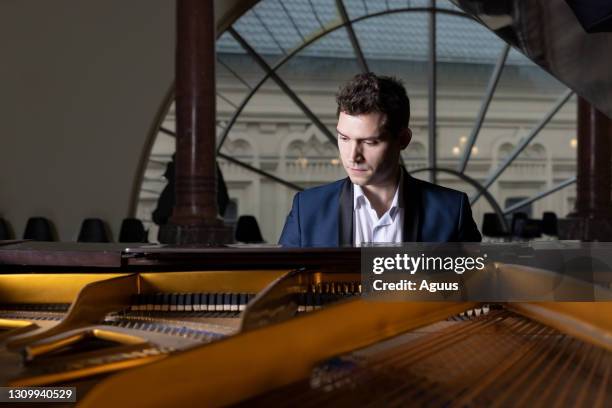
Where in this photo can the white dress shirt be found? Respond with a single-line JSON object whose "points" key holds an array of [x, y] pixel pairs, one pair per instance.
{"points": [[367, 227]]}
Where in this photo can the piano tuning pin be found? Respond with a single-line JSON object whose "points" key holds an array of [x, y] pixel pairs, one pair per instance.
{"points": [[189, 302], [302, 302], [318, 302], [234, 302], [157, 301], [134, 303], [173, 302], [309, 302], [180, 306]]}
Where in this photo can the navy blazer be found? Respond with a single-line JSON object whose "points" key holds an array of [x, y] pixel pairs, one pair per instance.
{"points": [[323, 216]]}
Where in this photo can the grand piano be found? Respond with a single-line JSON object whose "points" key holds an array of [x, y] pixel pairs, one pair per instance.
{"points": [[158, 326], [72, 312]]}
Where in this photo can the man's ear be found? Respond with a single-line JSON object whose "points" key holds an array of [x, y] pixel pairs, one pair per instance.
{"points": [[405, 138]]}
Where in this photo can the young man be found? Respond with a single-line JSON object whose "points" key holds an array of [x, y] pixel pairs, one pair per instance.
{"points": [[379, 201]]}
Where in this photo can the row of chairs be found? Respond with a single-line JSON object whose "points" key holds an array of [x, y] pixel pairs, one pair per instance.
{"points": [[132, 230], [92, 230], [521, 226], [247, 229]]}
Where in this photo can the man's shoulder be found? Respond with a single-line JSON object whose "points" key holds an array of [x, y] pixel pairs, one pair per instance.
{"points": [[434, 190], [323, 190]]}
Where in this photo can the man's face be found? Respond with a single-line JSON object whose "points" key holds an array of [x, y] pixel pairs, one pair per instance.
{"points": [[369, 157]]}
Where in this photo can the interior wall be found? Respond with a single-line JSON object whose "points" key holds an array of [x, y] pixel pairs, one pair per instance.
{"points": [[81, 84]]}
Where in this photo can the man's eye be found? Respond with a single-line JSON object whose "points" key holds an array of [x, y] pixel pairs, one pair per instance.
{"points": [[371, 142], [344, 138]]}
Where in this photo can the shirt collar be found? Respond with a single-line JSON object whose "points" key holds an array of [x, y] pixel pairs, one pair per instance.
{"points": [[359, 197]]}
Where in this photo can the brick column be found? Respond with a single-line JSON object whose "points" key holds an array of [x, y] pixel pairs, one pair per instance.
{"points": [[195, 218], [592, 217]]}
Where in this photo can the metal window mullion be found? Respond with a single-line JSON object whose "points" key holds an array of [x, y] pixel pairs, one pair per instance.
{"points": [[167, 131], [521, 146], [316, 15], [245, 165], [539, 196], [227, 100], [259, 171], [363, 65], [292, 95], [234, 73], [432, 82], [492, 85]]}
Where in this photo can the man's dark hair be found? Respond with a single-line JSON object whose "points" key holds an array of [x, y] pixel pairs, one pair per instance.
{"points": [[370, 93]]}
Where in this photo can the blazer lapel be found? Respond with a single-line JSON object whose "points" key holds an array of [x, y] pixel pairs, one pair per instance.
{"points": [[412, 209], [345, 215]]}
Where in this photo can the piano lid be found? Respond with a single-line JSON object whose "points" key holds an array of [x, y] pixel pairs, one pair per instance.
{"points": [[549, 33], [130, 256], [61, 254]]}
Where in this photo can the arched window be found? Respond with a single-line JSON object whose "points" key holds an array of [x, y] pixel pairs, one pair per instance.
{"points": [[280, 64]]}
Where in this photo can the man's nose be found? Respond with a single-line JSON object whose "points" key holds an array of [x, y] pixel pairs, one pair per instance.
{"points": [[356, 154]]}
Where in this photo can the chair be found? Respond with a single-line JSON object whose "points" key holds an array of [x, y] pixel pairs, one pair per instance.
{"points": [[527, 228], [5, 230], [132, 230], [492, 227], [247, 230], [39, 229], [93, 230], [550, 224], [515, 220]]}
